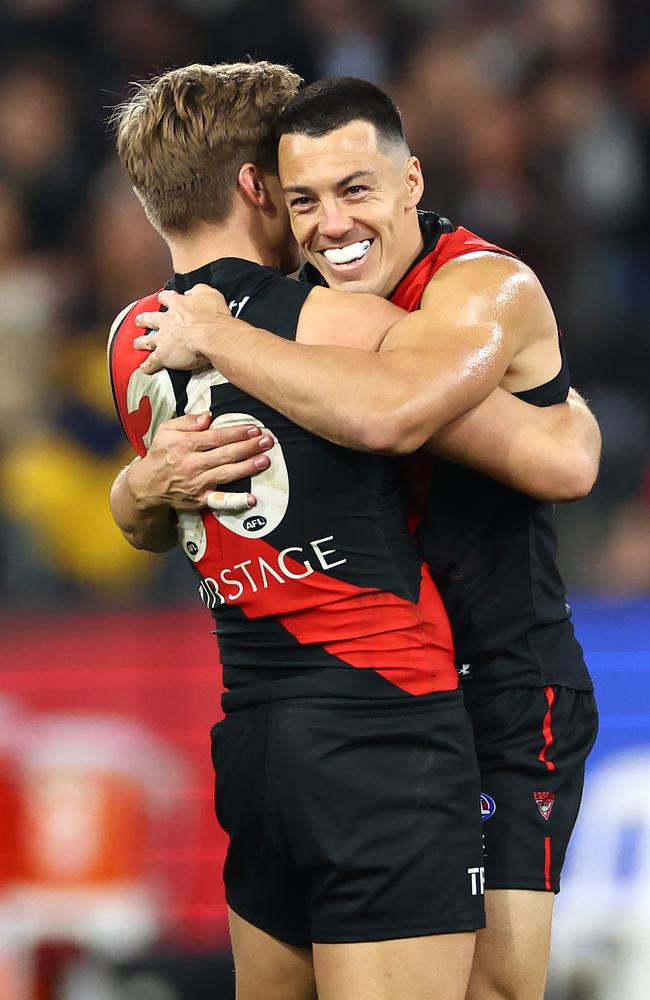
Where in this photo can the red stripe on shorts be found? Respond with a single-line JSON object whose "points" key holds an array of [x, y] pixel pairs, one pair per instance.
{"points": [[547, 864], [547, 731]]}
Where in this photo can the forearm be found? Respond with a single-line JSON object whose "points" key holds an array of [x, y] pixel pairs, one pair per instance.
{"points": [[549, 453], [144, 522], [387, 402]]}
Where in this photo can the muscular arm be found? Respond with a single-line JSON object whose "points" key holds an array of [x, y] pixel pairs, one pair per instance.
{"points": [[498, 437], [433, 365], [551, 453]]}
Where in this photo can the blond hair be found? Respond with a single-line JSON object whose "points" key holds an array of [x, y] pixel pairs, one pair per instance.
{"points": [[184, 135]]}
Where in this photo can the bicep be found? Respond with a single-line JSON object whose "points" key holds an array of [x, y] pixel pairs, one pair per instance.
{"points": [[343, 319], [460, 362]]}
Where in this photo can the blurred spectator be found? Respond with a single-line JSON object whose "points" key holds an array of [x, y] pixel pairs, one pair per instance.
{"points": [[532, 120]]}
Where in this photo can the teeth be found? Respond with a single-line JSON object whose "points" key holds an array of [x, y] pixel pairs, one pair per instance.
{"points": [[343, 255]]}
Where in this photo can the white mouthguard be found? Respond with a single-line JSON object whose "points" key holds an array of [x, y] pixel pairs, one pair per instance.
{"points": [[343, 255]]}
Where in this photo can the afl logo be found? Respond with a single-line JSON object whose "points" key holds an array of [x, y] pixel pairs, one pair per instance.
{"points": [[192, 548], [488, 806], [255, 523]]}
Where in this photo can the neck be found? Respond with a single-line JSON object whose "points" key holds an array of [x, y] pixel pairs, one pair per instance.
{"points": [[414, 244], [410, 248], [208, 242]]}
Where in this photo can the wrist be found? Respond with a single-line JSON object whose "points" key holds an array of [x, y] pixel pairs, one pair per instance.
{"points": [[138, 482], [209, 339]]}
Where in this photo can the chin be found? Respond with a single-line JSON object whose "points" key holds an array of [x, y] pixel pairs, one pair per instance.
{"points": [[367, 286]]}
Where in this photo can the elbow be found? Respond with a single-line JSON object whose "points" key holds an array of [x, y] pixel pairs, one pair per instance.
{"points": [[576, 481], [582, 480], [391, 434]]}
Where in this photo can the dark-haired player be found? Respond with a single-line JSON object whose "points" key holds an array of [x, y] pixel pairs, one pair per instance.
{"points": [[479, 319], [344, 732]]}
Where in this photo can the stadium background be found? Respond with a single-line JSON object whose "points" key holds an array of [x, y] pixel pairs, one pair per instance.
{"points": [[532, 119]]}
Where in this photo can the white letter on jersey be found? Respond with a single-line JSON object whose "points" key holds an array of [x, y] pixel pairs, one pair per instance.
{"points": [[477, 878], [328, 552]]}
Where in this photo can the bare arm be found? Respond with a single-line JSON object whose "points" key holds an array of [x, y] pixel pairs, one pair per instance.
{"points": [[551, 453], [185, 463], [144, 524], [434, 364]]}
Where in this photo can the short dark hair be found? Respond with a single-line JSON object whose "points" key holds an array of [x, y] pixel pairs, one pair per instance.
{"points": [[327, 105]]}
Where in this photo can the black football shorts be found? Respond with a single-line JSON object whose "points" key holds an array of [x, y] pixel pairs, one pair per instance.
{"points": [[532, 744], [351, 820]]}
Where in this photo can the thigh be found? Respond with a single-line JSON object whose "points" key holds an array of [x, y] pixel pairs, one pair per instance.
{"points": [[532, 745], [511, 956], [266, 968], [261, 882], [421, 968], [381, 810]]}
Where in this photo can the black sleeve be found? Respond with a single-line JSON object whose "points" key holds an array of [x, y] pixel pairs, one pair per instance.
{"points": [[261, 295], [311, 276]]}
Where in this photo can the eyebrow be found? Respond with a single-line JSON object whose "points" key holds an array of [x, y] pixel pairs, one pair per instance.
{"points": [[303, 189]]}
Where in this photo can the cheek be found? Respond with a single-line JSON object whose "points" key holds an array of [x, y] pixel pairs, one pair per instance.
{"points": [[298, 229]]}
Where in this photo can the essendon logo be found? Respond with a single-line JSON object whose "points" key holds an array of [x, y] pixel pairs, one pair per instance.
{"points": [[544, 802]]}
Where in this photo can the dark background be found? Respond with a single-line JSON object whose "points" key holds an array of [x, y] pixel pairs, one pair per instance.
{"points": [[531, 118]]}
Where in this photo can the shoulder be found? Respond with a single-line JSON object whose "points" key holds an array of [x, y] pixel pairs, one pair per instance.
{"points": [[494, 281], [135, 394], [126, 317]]}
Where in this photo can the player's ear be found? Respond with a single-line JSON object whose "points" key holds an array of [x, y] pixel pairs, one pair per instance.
{"points": [[250, 181], [414, 182]]}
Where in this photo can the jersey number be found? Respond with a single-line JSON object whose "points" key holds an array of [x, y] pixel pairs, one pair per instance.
{"points": [[271, 486]]}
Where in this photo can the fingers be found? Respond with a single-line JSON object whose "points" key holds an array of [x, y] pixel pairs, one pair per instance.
{"points": [[148, 320], [151, 365], [216, 440], [237, 451], [191, 422], [229, 503], [220, 475], [146, 343], [166, 296]]}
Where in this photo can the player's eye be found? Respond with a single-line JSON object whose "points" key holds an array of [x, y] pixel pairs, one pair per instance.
{"points": [[356, 189], [303, 202]]}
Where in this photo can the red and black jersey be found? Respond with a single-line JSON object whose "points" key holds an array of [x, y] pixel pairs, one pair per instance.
{"points": [[491, 549], [319, 589]]}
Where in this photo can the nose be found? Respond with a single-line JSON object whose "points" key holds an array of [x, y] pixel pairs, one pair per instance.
{"points": [[334, 223]]}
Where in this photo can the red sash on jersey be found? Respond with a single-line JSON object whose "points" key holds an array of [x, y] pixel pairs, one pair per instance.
{"points": [[408, 644]]}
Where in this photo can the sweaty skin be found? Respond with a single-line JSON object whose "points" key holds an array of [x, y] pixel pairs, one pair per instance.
{"points": [[550, 453], [485, 320]]}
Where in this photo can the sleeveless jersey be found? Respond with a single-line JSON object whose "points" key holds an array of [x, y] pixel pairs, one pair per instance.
{"points": [[490, 548], [318, 590]]}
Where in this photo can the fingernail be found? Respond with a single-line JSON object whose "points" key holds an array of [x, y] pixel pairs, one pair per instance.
{"points": [[261, 462], [253, 432], [265, 441], [201, 417], [251, 500]]}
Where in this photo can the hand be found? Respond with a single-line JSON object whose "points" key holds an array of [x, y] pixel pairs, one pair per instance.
{"points": [[188, 458], [191, 320]]}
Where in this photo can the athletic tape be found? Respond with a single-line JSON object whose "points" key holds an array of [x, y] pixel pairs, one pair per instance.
{"points": [[228, 503]]}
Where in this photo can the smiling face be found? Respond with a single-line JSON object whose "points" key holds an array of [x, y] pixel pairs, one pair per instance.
{"points": [[352, 202]]}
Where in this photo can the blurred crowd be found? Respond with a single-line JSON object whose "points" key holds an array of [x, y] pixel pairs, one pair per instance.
{"points": [[532, 120]]}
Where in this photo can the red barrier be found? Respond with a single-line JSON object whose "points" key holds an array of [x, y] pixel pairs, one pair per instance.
{"points": [[132, 688]]}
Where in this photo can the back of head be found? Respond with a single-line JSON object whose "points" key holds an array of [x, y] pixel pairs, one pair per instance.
{"points": [[184, 135], [327, 105]]}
